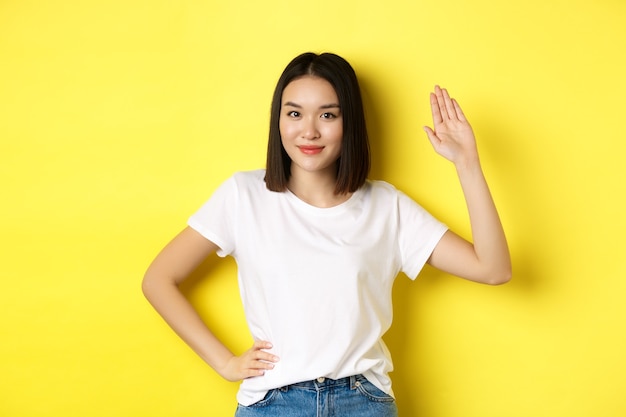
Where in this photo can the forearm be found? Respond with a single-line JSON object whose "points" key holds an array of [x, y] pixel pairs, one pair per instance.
{"points": [[180, 315], [489, 241], [487, 259]]}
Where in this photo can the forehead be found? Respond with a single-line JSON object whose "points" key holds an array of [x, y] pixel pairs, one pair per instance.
{"points": [[309, 89]]}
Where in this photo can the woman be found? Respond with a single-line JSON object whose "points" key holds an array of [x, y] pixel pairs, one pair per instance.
{"points": [[318, 247]]}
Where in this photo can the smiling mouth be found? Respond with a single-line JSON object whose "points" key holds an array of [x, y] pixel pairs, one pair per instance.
{"points": [[310, 150]]}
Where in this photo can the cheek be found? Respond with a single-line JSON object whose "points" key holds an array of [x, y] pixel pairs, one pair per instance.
{"points": [[285, 130], [334, 132]]}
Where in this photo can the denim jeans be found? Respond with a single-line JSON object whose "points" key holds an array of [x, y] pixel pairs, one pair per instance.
{"points": [[323, 397]]}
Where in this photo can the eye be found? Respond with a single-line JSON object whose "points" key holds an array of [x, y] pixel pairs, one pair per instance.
{"points": [[293, 114], [328, 115]]}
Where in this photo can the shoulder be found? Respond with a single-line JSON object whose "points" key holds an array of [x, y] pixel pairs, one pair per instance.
{"points": [[252, 177], [248, 180], [252, 184], [379, 184], [386, 193], [239, 183], [380, 188]]}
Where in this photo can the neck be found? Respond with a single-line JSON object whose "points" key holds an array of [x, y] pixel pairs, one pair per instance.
{"points": [[316, 189]]}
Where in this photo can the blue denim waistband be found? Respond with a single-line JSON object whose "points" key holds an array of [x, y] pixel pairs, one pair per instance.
{"points": [[322, 383]]}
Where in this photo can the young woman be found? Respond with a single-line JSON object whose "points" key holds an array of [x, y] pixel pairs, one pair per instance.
{"points": [[318, 247]]}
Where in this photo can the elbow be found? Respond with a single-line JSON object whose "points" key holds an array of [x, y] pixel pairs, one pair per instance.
{"points": [[149, 285], [499, 277], [146, 286], [499, 280], [155, 284]]}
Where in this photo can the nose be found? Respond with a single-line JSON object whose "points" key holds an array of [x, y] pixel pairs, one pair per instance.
{"points": [[310, 130]]}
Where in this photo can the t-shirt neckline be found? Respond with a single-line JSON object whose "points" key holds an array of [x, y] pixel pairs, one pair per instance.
{"points": [[297, 201]]}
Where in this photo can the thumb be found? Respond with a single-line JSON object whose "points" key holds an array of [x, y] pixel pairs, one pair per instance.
{"points": [[434, 140]]}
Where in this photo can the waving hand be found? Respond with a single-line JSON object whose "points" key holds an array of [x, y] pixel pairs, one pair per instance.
{"points": [[487, 259], [451, 136]]}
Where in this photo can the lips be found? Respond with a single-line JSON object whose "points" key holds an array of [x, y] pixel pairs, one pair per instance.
{"points": [[310, 150]]}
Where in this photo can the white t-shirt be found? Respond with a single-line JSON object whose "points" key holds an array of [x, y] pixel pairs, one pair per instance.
{"points": [[316, 282]]}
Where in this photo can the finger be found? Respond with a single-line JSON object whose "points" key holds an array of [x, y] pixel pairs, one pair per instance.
{"points": [[432, 137], [265, 356], [261, 365], [261, 344], [448, 104], [441, 102], [251, 367], [458, 111], [251, 373], [434, 108], [258, 351]]}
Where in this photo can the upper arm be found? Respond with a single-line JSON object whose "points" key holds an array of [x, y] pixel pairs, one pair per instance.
{"points": [[180, 257], [456, 256]]}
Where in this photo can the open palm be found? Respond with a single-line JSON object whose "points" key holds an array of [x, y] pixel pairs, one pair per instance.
{"points": [[451, 136]]}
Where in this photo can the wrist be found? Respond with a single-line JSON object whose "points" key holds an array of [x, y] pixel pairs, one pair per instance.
{"points": [[217, 356], [468, 166], [224, 367]]}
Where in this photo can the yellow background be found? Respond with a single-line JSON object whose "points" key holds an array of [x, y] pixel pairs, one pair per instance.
{"points": [[119, 118]]}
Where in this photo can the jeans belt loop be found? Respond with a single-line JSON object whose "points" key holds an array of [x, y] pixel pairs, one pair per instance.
{"points": [[353, 382]]}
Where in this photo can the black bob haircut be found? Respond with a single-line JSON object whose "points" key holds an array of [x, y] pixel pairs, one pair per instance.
{"points": [[353, 164]]}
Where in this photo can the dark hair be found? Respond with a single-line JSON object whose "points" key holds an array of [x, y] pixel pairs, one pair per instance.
{"points": [[353, 164]]}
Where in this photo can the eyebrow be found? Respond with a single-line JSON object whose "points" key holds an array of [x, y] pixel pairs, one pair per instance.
{"points": [[325, 106]]}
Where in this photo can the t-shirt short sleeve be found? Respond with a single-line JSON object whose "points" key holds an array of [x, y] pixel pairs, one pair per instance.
{"points": [[419, 232], [215, 219]]}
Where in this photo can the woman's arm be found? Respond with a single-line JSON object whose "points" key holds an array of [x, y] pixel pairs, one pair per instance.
{"points": [[160, 286], [487, 260]]}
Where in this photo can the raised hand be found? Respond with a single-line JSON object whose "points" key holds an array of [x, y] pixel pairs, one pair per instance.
{"points": [[253, 362], [487, 259], [451, 136]]}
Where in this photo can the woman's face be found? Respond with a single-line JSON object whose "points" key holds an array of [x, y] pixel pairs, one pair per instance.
{"points": [[311, 125]]}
